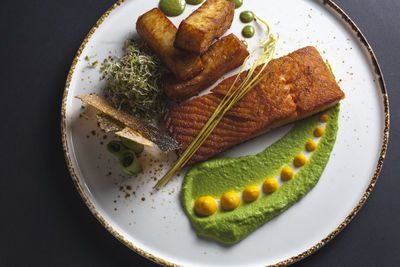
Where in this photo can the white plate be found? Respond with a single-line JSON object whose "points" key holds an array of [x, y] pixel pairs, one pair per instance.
{"points": [[154, 225]]}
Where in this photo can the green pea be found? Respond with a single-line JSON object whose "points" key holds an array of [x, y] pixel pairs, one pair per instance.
{"points": [[246, 16], [238, 3], [194, 2], [248, 31], [172, 8]]}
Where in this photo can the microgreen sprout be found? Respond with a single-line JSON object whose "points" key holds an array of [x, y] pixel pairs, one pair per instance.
{"points": [[133, 81]]}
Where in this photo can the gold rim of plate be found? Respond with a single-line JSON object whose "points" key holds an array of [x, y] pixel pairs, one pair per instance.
{"points": [[341, 15]]}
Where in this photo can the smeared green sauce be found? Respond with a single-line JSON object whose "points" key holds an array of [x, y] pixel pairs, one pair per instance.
{"points": [[194, 2], [238, 3], [215, 177], [246, 16], [172, 8], [245, 43], [330, 68], [248, 31]]}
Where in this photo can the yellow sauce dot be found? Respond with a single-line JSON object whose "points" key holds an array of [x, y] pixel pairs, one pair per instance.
{"points": [[318, 132], [270, 185], [311, 145], [230, 200], [251, 193], [205, 206], [324, 118], [300, 160], [287, 174]]}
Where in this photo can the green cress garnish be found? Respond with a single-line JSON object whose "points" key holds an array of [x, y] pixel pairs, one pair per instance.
{"points": [[133, 82]]}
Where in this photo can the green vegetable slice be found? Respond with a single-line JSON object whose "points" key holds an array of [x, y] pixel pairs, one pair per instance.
{"points": [[115, 148], [129, 163], [135, 147]]}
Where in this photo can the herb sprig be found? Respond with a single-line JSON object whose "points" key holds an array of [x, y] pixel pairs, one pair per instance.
{"points": [[133, 82]]}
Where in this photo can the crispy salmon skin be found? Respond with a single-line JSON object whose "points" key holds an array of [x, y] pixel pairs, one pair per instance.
{"points": [[208, 22], [223, 56], [133, 128], [159, 34], [298, 85]]}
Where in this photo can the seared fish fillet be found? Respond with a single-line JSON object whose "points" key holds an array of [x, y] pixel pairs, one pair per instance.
{"points": [[298, 86], [206, 23], [159, 34], [223, 56]]}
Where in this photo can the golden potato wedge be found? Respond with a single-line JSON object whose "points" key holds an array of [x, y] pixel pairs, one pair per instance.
{"points": [[223, 56], [159, 34], [206, 23]]}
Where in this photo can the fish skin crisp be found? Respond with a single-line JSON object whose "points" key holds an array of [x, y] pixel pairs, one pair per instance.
{"points": [[162, 140]]}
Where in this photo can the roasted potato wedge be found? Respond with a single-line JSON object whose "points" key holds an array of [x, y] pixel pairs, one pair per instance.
{"points": [[223, 56], [159, 34], [206, 23]]}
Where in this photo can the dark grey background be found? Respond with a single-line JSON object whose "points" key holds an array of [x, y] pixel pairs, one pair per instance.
{"points": [[44, 222]]}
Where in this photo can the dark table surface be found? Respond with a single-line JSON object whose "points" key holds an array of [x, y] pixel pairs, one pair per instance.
{"points": [[44, 222]]}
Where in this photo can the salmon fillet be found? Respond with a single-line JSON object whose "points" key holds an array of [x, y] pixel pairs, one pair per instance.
{"points": [[223, 56], [208, 22], [159, 34], [299, 85]]}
